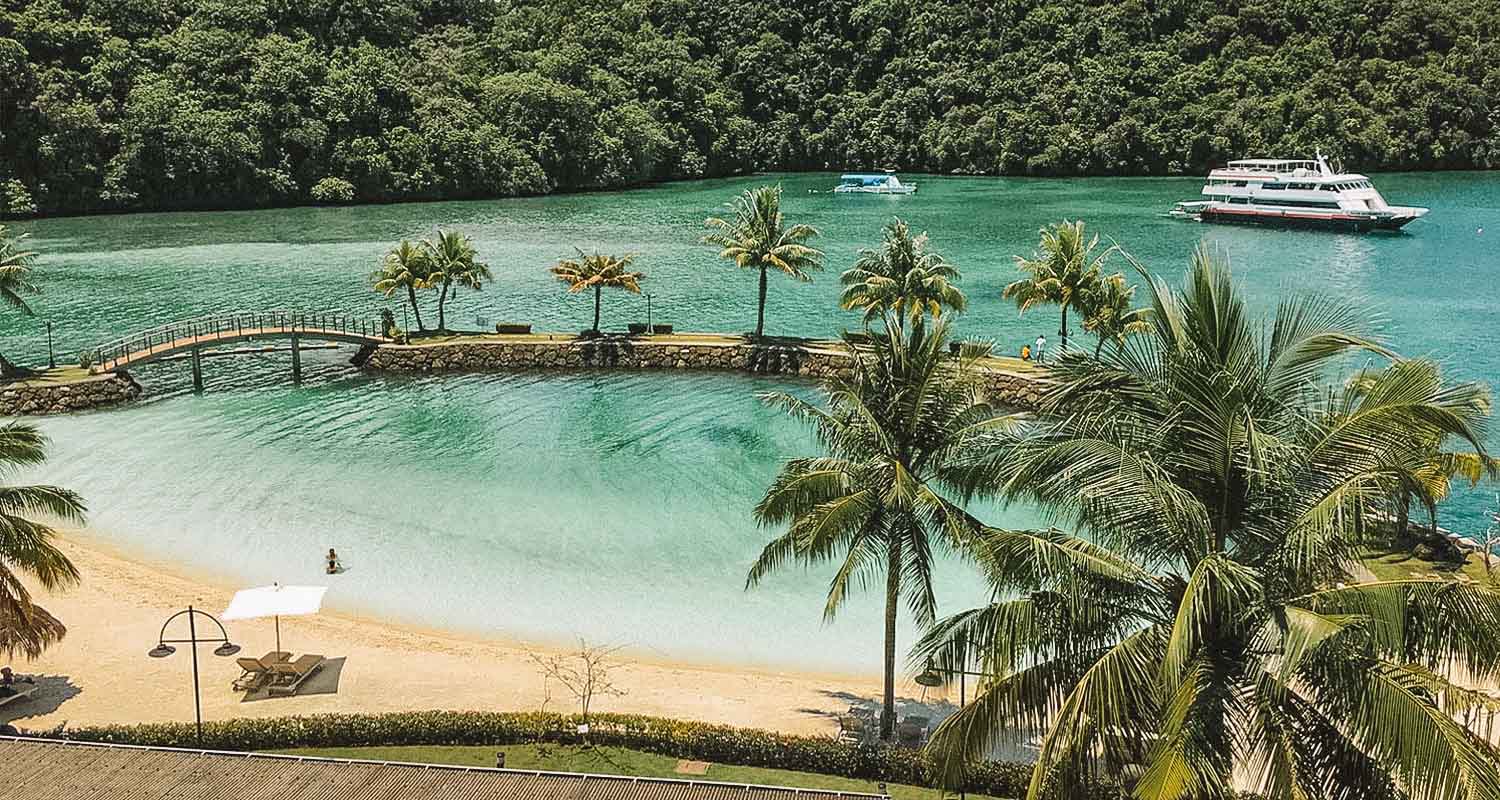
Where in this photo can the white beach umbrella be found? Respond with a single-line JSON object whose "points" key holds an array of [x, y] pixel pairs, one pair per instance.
{"points": [[275, 601]]}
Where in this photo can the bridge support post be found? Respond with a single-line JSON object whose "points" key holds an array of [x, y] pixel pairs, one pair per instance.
{"points": [[197, 371], [296, 361]]}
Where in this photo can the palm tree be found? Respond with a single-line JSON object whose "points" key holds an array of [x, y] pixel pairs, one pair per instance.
{"points": [[1204, 622], [1425, 471], [598, 272], [453, 261], [758, 238], [875, 502], [27, 547], [406, 267], [1064, 271], [1111, 315], [902, 278], [15, 281]]}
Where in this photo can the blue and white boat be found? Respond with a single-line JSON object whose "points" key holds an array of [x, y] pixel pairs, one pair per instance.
{"points": [[872, 183]]}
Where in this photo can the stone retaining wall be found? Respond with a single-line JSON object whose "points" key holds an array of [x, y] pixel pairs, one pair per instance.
{"points": [[813, 360], [35, 398]]}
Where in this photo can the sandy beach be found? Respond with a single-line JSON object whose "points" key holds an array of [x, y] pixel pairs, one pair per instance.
{"points": [[101, 674]]}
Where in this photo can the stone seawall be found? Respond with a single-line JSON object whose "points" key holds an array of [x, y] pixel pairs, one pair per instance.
{"points": [[809, 360], [40, 397]]}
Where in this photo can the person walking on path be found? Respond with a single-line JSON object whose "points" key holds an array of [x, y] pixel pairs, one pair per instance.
{"points": [[1040, 351]]}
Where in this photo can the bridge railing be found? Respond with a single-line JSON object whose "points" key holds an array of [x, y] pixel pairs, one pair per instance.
{"points": [[174, 335]]}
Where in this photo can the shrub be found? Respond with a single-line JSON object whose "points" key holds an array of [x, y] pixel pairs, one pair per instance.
{"points": [[674, 738], [333, 190], [85, 358], [15, 200]]}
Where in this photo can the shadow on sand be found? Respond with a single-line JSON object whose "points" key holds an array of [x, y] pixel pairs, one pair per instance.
{"points": [[51, 692]]}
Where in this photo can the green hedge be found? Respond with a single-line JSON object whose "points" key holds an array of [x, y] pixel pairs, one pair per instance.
{"points": [[678, 739]]}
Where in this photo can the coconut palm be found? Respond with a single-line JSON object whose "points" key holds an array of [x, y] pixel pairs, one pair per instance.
{"points": [[27, 546], [1203, 623], [902, 278], [1064, 271], [875, 503], [15, 281], [1111, 312], [406, 267], [598, 272], [1424, 472], [757, 237], [453, 261]]}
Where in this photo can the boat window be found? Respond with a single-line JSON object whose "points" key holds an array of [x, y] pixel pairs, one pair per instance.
{"points": [[1239, 184], [1274, 186], [1242, 200]]}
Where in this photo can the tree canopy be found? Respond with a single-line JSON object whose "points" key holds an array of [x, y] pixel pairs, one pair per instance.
{"points": [[129, 104]]}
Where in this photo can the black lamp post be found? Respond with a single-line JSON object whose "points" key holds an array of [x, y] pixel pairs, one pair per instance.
{"points": [[164, 648], [648, 312], [932, 676], [51, 361]]}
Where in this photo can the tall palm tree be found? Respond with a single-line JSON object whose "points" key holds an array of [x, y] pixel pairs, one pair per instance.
{"points": [[1203, 622], [405, 267], [1112, 315], [27, 546], [875, 502], [453, 261], [757, 237], [15, 281], [901, 277], [598, 272], [1064, 271]]}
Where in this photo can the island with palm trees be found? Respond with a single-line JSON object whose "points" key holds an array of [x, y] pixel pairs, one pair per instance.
{"points": [[1196, 617]]}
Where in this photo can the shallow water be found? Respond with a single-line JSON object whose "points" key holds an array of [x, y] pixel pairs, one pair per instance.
{"points": [[614, 506]]}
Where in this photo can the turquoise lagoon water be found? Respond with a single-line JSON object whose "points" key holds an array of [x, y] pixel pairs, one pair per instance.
{"points": [[614, 506]]}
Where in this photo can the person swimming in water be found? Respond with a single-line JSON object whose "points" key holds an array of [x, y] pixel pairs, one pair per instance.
{"points": [[333, 562]]}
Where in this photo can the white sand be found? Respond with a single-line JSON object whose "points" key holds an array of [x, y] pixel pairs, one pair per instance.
{"points": [[114, 617]]}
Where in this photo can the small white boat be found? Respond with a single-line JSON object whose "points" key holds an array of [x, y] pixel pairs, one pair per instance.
{"points": [[1189, 209], [1294, 193], [872, 183]]}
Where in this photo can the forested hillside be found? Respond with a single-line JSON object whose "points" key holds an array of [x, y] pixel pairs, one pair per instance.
{"points": [[144, 104]]}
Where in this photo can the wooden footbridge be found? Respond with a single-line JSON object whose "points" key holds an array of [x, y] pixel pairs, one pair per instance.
{"points": [[188, 338]]}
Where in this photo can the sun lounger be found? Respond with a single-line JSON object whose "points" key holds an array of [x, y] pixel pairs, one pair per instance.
{"points": [[912, 731], [287, 676], [256, 671], [852, 729]]}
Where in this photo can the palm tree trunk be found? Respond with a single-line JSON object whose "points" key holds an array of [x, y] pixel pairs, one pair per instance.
{"points": [[760, 315], [442, 301], [892, 602], [1098, 348], [598, 290], [1063, 331], [411, 295]]}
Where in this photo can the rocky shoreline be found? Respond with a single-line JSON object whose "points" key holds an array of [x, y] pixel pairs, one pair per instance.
{"points": [[807, 359], [34, 398]]}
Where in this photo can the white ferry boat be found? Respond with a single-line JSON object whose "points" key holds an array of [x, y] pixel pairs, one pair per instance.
{"points": [[872, 183], [1294, 193]]}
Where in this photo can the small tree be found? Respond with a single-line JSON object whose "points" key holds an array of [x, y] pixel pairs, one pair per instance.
{"points": [[406, 268], [15, 281], [1065, 271], [757, 237], [598, 272], [584, 673]]}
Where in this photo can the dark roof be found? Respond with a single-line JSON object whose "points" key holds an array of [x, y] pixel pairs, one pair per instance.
{"points": [[44, 769]]}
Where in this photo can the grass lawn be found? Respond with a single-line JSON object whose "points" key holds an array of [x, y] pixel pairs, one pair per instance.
{"points": [[614, 761], [1388, 565]]}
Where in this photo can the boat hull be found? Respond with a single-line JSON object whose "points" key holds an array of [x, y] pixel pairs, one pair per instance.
{"points": [[863, 190], [1301, 219]]}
